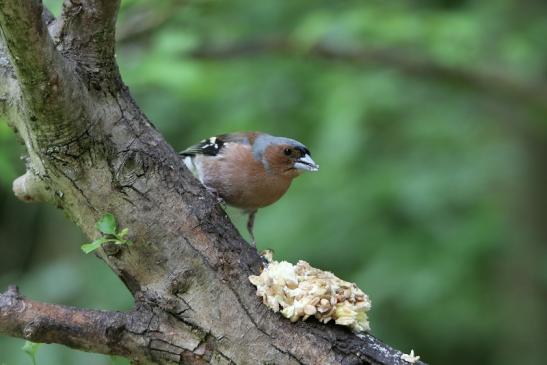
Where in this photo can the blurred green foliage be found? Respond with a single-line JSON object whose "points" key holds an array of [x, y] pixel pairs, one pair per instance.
{"points": [[431, 190]]}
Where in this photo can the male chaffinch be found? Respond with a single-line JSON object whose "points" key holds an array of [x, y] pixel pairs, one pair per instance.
{"points": [[248, 170]]}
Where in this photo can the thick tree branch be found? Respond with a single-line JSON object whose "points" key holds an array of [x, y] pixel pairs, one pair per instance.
{"points": [[89, 26], [82, 329], [136, 335]]}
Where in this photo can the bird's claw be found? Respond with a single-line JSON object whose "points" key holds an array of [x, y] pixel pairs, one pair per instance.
{"points": [[267, 257], [217, 196]]}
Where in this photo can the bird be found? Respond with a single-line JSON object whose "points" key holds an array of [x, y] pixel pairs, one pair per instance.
{"points": [[248, 170]]}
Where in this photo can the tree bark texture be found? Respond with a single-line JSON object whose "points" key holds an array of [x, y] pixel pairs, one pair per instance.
{"points": [[90, 151]]}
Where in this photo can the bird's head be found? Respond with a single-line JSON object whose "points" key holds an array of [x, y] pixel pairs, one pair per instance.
{"points": [[283, 156]]}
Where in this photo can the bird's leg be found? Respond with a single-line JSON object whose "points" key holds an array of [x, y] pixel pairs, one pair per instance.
{"points": [[250, 225]]}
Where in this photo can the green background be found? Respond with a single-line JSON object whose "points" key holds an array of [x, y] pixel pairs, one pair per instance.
{"points": [[428, 118]]}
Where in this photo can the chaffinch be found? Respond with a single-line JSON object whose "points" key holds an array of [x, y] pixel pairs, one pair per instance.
{"points": [[248, 170]]}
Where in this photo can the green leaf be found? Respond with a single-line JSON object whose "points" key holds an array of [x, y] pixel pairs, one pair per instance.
{"points": [[107, 224], [90, 247], [30, 348]]}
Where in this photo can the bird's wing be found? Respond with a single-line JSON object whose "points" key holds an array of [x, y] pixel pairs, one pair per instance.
{"points": [[212, 146]]}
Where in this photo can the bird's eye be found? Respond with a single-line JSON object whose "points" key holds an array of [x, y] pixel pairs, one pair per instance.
{"points": [[287, 151]]}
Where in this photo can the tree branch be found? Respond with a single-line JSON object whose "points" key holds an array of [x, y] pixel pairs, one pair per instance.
{"points": [[89, 26], [45, 81], [9, 91], [7, 77], [80, 329], [31, 48], [146, 21], [136, 335]]}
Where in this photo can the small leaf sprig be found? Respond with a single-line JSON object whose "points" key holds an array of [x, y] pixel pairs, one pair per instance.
{"points": [[108, 226]]}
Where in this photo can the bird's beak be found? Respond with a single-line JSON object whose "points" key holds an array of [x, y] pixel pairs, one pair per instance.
{"points": [[306, 163]]}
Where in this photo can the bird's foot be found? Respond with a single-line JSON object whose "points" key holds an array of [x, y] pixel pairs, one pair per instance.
{"points": [[222, 202], [266, 256], [217, 196]]}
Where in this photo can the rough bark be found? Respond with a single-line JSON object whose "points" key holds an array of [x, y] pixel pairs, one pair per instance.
{"points": [[91, 150]]}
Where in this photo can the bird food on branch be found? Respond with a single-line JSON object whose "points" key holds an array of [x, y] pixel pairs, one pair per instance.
{"points": [[301, 291]]}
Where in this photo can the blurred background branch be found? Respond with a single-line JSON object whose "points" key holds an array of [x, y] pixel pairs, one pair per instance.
{"points": [[498, 85], [142, 21]]}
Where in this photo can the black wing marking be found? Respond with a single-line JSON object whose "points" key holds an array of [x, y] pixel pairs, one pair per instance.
{"points": [[208, 147]]}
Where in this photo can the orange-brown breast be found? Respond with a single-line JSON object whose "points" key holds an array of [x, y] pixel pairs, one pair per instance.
{"points": [[240, 180]]}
